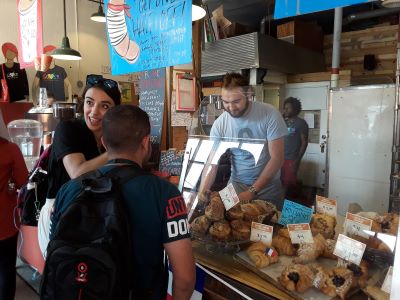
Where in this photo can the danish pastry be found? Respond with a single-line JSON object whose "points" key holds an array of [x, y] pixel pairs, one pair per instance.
{"points": [[324, 225], [360, 273], [220, 231], [297, 278], [240, 230], [389, 223], [342, 279], [262, 255], [200, 225], [321, 281], [310, 251]]}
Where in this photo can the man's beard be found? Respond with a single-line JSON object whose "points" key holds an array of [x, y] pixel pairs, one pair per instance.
{"points": [[241, 113]]}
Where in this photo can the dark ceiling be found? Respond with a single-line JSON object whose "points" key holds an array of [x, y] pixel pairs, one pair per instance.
{"points": [[250, 13]]}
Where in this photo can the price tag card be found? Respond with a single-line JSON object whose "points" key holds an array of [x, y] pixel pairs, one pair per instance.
{"points": [[229, 196], [355, 224], [326, 206], [300, 233], [349, 249], [387, 284], [294, 213], [261, 233]]}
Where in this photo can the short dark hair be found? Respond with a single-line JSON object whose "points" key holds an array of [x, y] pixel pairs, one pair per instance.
{"points": [[233, 80], [113, 92], [124, 127], [296, 104]]}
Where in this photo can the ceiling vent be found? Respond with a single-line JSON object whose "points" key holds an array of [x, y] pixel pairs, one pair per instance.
{"points": [[391, 3]]}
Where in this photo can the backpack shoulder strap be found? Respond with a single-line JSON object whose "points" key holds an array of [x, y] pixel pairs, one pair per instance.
{"points": [[126, 172]]}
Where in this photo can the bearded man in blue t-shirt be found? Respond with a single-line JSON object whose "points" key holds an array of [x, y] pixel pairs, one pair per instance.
{"points": [[252, 177]]}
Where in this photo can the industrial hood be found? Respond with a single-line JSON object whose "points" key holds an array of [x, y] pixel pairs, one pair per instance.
{"points": [[255, 50]]}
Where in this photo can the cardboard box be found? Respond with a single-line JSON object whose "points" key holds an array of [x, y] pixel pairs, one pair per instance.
{"points": [[302, 34]]}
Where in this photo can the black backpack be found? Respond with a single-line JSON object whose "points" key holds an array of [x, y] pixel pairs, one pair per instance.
{"points": [[32, 195], [89, 256]]}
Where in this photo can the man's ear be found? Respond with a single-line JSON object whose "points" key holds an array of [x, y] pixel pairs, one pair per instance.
{"points": [[103, 143], [146, 141]]}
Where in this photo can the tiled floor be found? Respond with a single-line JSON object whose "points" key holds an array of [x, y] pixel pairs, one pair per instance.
{"points": [[24, 291]]}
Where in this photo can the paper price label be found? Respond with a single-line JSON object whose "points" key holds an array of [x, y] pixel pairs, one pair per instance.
{"points": [[357, 225], [326, 206], [300, 233], [261, 233], [294, 213], [387, 284], [349, 249], [229, 196]]}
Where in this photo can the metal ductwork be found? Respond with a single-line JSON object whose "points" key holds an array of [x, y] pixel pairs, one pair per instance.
{"points": [[372, 14], [255, 50]]}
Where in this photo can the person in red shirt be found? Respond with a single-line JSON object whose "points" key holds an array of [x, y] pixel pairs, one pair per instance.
{"points": [[13, 174]]}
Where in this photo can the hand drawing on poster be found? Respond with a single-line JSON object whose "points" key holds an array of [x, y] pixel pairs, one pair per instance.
{"points": [[30, 31], [145, 35]]}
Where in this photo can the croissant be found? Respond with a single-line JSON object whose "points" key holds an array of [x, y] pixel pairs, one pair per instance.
{"points": [[309, 252], [297, 278], [262, 255], [240, 230], [284, 233], [251, 212], [283, 245], [235, 213]]}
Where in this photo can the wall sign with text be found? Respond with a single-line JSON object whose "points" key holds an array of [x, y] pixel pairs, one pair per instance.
{"points": [[145, 35]]}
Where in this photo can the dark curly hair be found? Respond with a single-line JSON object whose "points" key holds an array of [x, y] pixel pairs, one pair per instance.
{"points": [[296, 104]]}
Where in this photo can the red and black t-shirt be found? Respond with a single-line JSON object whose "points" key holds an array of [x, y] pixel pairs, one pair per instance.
{"points": [[17, 82]]}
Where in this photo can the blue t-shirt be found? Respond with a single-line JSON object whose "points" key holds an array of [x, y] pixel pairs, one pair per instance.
{"points": [[260, 121], [157, 215]]}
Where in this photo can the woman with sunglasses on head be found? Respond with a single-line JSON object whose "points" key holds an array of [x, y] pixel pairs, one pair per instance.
{"points": [[77, 147]]}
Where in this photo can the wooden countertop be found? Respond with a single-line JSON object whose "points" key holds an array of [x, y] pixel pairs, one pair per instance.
{"points": [[226, 265]]}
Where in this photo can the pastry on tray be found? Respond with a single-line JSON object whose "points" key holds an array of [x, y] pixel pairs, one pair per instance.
{"points": [[297, 278], [360, 273], [262, 255], [389, 223], [200, 225], [220, 231], [235, 213], [284, 245], [324, 225], [240, 230], [341, 279], [310, 251], [215, 210], [329, 248], [322, 280], [251, 212]]}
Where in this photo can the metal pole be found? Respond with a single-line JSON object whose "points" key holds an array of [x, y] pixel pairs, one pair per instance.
{"points": [[337, 32]]}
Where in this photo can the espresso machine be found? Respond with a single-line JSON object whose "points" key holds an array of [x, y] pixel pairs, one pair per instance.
{"points": [[210, 109]]}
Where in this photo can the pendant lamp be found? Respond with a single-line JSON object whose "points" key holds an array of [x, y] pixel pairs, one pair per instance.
{"points": [[99, 16], [65, 52], [198, 12]]}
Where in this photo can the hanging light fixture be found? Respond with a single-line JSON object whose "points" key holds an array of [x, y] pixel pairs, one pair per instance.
{"points": [[65, 52], [99, 16], [198, 12]]}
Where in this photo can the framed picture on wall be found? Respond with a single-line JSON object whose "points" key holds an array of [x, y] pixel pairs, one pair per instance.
{"points": [[185, 92]]}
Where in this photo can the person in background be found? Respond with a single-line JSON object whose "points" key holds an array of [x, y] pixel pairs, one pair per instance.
{"points": [[295, 143], [50, 99], [77, 147], [155, 208], [251, 120], [13, 174]]}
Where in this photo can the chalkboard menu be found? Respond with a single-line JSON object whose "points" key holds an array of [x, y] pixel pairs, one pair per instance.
{"points": [[171, 161], [151, 100]]}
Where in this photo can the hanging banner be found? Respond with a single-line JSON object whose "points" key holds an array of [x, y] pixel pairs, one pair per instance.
{"points": [[290, 8], [30, 31], [145, 35]]}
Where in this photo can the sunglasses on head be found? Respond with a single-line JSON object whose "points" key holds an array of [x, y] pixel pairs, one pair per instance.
{"points": [[94, 79]]}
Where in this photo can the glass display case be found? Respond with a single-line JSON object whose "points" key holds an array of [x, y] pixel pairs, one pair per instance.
{"points": [[349, 256]]}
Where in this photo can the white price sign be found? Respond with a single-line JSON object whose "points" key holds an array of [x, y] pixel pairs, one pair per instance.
{"points": [[349, 249], [261, 233], [357, 225], [387, 284], [229, 196], [300, 233], [326, 206]]}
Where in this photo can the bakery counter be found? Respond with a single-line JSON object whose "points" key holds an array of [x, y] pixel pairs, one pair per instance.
{"points": [[227, 266]]}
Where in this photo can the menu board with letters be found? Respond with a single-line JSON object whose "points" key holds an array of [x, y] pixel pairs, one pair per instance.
{"points": [[151, 100]]}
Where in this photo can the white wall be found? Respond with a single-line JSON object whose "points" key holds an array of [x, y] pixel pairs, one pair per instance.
{"points": [[86, 36]]}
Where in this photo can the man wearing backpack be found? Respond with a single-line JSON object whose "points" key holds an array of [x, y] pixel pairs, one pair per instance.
{"points": [[154, 208]]}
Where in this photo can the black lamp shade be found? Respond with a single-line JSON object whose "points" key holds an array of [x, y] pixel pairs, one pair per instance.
{"points": [[65, 52]]}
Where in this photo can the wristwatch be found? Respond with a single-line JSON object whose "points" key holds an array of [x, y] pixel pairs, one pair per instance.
{"points": [[253, 190]]}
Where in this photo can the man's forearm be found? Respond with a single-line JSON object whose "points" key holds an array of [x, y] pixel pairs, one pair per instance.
{"points": [[182, 291]]}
